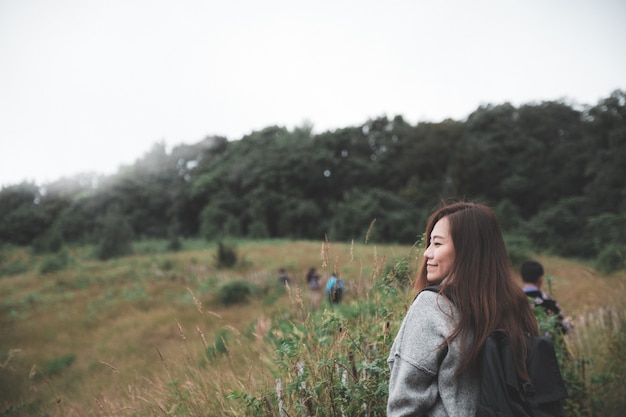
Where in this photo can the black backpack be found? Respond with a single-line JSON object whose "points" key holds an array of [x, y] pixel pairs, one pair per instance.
{"points": [[503, 394]]}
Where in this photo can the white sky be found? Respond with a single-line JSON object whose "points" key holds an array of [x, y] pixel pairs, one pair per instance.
{"points": [[89, 85]]}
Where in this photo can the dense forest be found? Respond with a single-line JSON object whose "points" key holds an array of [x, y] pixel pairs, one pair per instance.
{"points": [[554, 172]]}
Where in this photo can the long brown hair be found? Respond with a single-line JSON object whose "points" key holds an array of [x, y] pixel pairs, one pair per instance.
{"points": [[481, 283]]}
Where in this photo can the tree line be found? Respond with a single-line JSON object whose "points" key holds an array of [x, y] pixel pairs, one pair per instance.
{"points": [[554, 171]]}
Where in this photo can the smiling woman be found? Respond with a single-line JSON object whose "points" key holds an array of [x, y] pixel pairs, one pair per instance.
{"points": [[439, 255], [434, 356]]}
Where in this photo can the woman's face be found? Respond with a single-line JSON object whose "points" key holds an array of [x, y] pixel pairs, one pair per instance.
{"points": [[440, 253]]}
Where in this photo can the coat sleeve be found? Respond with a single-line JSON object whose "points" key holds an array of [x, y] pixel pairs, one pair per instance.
{"points": [[415, 357]]}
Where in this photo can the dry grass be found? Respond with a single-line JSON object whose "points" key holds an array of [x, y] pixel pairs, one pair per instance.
{"points": [[122, 320], [136, 326], [580, 289]]}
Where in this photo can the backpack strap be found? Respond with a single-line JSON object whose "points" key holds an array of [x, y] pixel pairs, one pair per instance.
{"points": [[437, 289], [433, 288]]}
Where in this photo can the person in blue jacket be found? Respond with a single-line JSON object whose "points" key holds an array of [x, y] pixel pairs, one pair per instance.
{"points": [[335, 288]]}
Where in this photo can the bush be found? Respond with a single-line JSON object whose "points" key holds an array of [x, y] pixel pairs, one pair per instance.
{"points": [[258, 230], [220, 346], [519, 249], [174, 242], [359, 209], [330, 365], [400, 273], [235, 292], [54, 263], [49, 242], [606, 229], [557, 229], [226, 256], [55, 366], [13, 268], [335, 362], [611, 259], [117, 236]]}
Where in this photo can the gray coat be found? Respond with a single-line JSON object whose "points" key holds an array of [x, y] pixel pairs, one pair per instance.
{"points": [[422, 381]]}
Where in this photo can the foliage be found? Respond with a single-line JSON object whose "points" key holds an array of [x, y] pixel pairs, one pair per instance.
{"points": [[55, 366], [235, 292], [400, 273], [553, 171], [519, 248], [126, 310], [49, 242], [220, 346], [612, 258], [557, 228], [334, 363], [22, 217], [12, 268], [116, 236], [360, 208], [600, 392], [54, 263], [610, 402], [226, 255], [174, 242]]}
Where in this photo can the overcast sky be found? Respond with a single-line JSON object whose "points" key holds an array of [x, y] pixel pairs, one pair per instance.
{"points": [[89, 85]]}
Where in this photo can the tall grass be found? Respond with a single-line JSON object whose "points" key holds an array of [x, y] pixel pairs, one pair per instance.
{"points": [[596, 363], [150, 335], [297, 360]]}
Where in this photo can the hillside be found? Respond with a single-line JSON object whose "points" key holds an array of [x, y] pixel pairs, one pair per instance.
{"points": [[98, 338]]}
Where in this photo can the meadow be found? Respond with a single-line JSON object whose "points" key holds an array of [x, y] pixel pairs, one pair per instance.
{"points": [[173, 334]]}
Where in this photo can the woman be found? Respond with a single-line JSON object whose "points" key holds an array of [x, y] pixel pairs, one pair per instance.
{"points": [[434, 357]]}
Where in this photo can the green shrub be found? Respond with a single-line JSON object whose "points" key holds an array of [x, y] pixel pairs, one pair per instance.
{"points": [[557, 229], [149, 246], [220, 346], [173, 236], [174, 244], [166, 264], [54, 263], [235, 292], [401, 273], [612, 258], [271, 299], [13, 268], [49, 242], [55, 366], [335, 362], [116, 236], [508, 215], [258, 230], [606, 229], [519, 249], [226, 256]]}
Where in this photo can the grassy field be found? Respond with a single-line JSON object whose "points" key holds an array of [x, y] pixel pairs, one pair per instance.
{"points": [[125, 336]]}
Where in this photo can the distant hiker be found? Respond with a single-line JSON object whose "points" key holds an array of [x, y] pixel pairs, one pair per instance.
{"points": [[335, 288], [532, 275], [283, 278], [313, 279]]}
